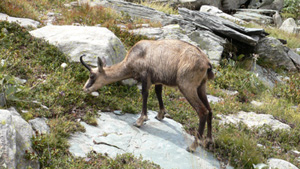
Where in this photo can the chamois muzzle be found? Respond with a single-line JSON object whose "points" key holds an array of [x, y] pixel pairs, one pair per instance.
{"points": [[83, 63]]}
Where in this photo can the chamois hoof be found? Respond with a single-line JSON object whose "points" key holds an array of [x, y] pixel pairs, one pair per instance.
{"points": [[159, 119], [136, 125], [190, 150]]}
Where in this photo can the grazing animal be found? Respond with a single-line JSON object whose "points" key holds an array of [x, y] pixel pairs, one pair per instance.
{"points": [[162, 62]]}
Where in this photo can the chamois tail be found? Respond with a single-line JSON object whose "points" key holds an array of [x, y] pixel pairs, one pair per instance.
{"points": [[210, 73]]}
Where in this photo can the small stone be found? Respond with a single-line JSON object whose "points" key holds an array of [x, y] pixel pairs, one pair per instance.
{"points": [[67, 5], [118, 112], [21, 81], [280, 164], [64, 65], [229, 92], [214, 99], [256, 103], [96, 94], [50, 14], [2, 62], [295, 153]]}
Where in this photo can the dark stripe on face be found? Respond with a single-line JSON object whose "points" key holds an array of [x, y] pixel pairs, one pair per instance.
{"points": [[91, 82]]}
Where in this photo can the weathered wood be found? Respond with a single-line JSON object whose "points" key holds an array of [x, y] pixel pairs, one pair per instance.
{"points": [[223, 27]]}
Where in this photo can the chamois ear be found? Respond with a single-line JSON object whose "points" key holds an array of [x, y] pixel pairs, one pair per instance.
{"points": [[100, 65]]}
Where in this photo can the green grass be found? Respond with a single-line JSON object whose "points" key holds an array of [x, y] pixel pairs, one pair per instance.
{"points": [[166, 8]]}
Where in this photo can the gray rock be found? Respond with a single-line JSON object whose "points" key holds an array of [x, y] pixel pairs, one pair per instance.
{"points": [[222, 27], [256, 103], [295, 58], [15, 140], [289, 25], [275, 163], [272, 52], [155, 33], [277, 19], [253, 120], [214, 99], [77, 40], [211, 44], [261, 16], [270, 4], [162, 142], [21, 21], [40, 125], [267, 76], [217, 12]]}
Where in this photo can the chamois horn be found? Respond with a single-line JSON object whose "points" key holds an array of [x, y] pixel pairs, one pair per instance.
{"points": [[83, 63]]}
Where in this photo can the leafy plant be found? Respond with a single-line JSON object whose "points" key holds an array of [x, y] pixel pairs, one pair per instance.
{"points": [[292, 8]]}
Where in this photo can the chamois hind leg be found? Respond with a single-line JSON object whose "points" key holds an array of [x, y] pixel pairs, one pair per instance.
{"points": [[193, 98], [161, 113], [145, 90], [202, 95]]}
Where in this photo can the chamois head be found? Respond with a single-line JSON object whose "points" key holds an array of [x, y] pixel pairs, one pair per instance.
{"points": [[97, 76]]}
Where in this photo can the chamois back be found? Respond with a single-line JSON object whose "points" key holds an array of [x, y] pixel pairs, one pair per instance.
{"points": [[168, 61]]}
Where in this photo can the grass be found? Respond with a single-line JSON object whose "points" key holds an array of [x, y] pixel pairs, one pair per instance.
{"points": [[166, 8], [60, 90]]}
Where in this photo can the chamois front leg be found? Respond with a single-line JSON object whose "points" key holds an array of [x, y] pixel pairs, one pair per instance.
{"points": [[158, 91], [145, 90]]}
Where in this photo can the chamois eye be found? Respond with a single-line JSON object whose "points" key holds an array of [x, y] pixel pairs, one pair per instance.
{"points": [[92, 76]]}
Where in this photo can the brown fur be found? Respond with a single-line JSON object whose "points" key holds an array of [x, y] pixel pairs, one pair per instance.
{"points": [[167, 62]]}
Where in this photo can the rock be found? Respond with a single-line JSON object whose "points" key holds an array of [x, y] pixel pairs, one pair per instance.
{"points": [[294, 57], [277, 19], [217, 12], [275, 163], [196, 4], [289, 25], [153, 33], [272, 52], [222, 27], [40, 125], [256, 103], [229, 92], [162, 142], [211, 44], [96, 94], [214, 99], [77, 40], [295, 153], [270, 4], [136, 11], [253, 120], [15, 140], [63, 65], [261, 16], [267, 76], [21, 21]]}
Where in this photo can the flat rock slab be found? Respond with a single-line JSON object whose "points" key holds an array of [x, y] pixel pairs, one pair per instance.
{"points": [[253, 120], [163, 142], [21, 21]]}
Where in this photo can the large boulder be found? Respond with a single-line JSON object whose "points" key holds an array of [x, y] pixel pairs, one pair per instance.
{"points": [[77, 40], [21, 21], [15, 138], [272, 53], [289, 25], [222, 27], [162, 142]]}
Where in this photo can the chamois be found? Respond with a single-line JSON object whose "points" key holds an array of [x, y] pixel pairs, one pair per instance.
{"points": [[163, 62]]}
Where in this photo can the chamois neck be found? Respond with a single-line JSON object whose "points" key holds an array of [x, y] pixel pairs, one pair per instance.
{"points": [[117, 72]]}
